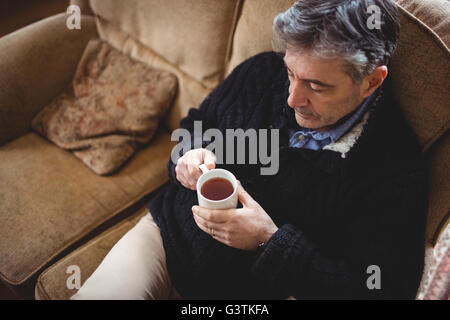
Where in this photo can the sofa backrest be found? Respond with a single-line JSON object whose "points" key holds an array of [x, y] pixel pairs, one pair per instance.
{"points": [[420, 73], [254, 29], [201, 41], [194, 35]]}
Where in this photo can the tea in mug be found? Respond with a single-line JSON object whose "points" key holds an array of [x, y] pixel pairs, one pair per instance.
{"points": [[217, 189]]}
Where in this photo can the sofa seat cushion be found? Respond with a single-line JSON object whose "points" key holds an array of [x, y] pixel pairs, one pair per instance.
{"points": [[52, 283], [50, 199]]}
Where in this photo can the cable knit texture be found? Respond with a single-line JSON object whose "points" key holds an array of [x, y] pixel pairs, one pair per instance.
{"points": [[336, 216]]}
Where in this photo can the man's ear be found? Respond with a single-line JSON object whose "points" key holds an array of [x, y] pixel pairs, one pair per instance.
{"points": [[374, 80]]}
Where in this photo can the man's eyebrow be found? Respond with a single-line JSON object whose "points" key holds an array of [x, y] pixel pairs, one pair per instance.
{"points": [[318, 82]]}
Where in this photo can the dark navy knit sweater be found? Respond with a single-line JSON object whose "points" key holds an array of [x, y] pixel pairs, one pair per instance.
{"points": [[336, 216]]}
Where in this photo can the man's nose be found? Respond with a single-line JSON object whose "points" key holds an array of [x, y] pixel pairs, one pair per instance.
{"points": [[297, 95]]}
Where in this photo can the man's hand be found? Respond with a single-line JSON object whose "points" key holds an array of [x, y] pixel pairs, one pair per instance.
{"points": [[243, 228], [187, 169]]}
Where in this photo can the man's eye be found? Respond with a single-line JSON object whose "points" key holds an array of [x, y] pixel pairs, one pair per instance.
{"points": [[315, 88], [290, 75]]}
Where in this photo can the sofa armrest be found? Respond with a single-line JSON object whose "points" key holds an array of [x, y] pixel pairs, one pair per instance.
{"points": [[36, 63]]}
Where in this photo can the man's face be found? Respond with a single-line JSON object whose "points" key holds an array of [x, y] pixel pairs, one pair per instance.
{"points": [[320, 91]]}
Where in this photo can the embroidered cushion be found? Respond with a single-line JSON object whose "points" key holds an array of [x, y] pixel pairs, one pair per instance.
{"points": [[112, 107], [436, 281]]}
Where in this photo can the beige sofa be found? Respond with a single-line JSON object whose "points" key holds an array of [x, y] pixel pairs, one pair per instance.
{"points": [[56, 212]]}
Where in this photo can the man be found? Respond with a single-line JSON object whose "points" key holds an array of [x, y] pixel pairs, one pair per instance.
{"points": [[344, 215]]}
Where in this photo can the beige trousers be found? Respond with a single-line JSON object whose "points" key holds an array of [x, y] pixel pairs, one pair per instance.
{"points": [[134, 269]]}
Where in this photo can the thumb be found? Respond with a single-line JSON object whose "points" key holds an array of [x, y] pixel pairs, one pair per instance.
{"points": [[209, 159], [244, 197]]}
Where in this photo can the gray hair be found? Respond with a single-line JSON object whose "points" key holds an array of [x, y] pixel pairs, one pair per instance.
{"points": [[339, 29]]}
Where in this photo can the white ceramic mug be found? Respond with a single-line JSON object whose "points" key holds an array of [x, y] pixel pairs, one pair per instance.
{"points": [[227, 203]]}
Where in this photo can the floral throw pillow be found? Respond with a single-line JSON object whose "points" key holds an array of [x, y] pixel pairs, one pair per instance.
{"points": [[436, 284], [112, 107]]}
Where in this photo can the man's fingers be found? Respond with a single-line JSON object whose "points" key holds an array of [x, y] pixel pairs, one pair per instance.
{"points": [[194, 173], [208, 224], [209, 159], [186, 181], [187, 168], [214, 231], [216, 216], [244, 197]]}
